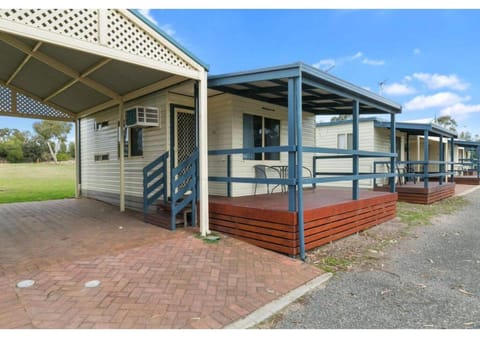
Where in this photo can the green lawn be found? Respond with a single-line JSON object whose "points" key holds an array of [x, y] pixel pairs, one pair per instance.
{"points": [[36, 182]]}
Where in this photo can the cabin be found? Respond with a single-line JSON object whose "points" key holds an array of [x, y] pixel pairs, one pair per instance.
{"points": [[263, 152], [113, 74], [144, 141], [424, 175]]}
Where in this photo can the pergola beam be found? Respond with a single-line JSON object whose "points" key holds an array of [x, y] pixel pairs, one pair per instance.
{"points": [[24, 62], [169, 82], [57, 65], [77, 79]]}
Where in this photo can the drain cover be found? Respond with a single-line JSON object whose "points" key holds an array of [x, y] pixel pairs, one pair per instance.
{"points": [[25, 283], [92, 284]]}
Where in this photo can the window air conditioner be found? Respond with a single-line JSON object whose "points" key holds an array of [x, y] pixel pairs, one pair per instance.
{"points": [[142, 117]]}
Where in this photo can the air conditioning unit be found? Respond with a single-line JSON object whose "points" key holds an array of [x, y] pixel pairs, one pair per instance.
{"points": [[142, 117]]}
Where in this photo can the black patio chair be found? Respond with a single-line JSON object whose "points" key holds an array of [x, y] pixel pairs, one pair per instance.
{"points": [[265, 171]]}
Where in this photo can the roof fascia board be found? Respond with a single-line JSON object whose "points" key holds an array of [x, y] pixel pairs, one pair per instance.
{"points": [[358, 91], [254, 76], [338, 91], [170, 42]]}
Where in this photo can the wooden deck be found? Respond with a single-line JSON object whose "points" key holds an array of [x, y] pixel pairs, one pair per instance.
{"points": [[418, 194], [329, 214], [469, 180]]}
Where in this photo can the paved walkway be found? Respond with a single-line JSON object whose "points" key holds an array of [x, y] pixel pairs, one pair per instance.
{"points": [[150, 277]]}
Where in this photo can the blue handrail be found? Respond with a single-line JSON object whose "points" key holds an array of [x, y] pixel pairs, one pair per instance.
{"points": [[154, 182], [184, 179]]}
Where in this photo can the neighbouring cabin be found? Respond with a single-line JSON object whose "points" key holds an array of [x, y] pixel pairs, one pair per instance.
{"points": [[467, 162], [263, 153], [421, 166], [426, 176]]}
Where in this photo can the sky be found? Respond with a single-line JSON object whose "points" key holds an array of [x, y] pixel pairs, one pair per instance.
{"points": [[424, 59]]}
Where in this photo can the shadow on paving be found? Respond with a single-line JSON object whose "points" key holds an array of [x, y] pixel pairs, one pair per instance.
{"points": [[150, 277]]}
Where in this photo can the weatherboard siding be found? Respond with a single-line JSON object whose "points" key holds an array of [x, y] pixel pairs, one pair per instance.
{"points": [[101, 179], [326, 136], [226, 132]]}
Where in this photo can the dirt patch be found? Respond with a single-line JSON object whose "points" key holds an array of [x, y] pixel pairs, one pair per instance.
{"points": [[361, 250]]}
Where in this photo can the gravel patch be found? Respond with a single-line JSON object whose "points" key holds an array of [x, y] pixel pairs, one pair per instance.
{"points": [[426, 281]]}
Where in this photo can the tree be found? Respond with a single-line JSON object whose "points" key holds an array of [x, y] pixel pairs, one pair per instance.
{"points": [[11, 144], [447, 122], [53, 134], [340, 118], [71, 149], [465, 135], [34, 149]]}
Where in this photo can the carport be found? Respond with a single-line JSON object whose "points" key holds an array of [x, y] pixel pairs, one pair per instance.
{"points": [[66, 64]]}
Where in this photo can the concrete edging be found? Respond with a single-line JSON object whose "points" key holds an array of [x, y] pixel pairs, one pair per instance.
{"points": [[273, 307]]}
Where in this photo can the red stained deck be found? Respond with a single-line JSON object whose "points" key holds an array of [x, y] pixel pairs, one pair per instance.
{"points": [[329, 214], [469, 180], [418, 194]]}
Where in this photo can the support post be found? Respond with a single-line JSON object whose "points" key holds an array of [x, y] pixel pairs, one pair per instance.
{"points": [[478, 162], [355, 141], [229, 174], [121, 117], [203, 155], [452, 156], [407, 158], [441, 167], [425, 159], [77, 160], [292, 194], [392, 150], [299, 171]]}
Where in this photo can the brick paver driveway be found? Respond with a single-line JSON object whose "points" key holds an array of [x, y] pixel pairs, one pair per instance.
{"points": [[150, 277]]}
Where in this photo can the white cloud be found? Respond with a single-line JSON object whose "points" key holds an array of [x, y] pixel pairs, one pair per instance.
{"points": [[417, 51], [326, 64], [167, 28], [460, 110], [148, 14], [356, 56], [437, 81], [398, 89], [371, 62], [442, 99]]}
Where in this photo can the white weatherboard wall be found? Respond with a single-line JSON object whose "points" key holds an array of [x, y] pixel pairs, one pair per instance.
{"points": [[326, 137], [226, 132], [101, 179], [370, 139]]}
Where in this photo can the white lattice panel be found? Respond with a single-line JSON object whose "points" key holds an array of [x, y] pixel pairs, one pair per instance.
{"points": [[78, 23], [5, 99], [29, 106], [125, 35]]}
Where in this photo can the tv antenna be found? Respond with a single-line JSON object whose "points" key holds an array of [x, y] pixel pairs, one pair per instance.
{"points": [[329, 68], [381, 85]]}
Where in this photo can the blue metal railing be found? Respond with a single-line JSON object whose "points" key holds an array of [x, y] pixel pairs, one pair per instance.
{"points": [[416, 170], [154, 182], [183, 188], [333, 154]]}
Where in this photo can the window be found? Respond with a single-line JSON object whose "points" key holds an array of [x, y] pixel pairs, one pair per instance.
{"points": [[101, 157], [345, 141], [133, 142], [101, 125], [260, 131]]}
